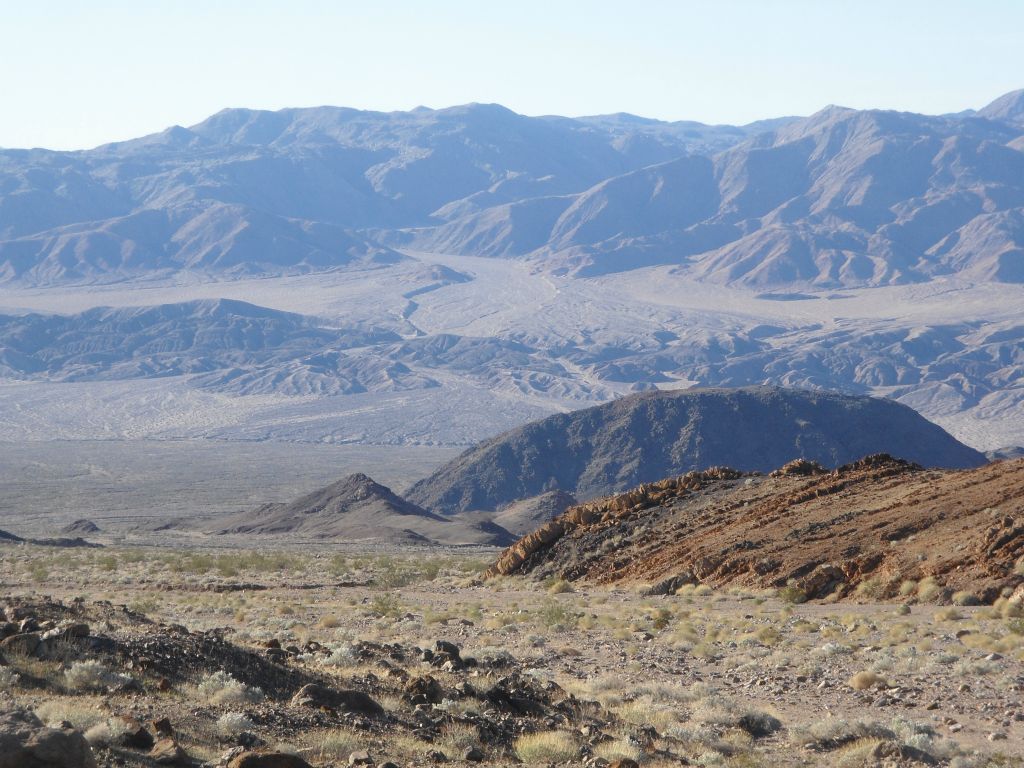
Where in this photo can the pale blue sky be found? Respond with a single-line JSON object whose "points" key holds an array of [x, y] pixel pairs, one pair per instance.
{"points": [[77, 74]]}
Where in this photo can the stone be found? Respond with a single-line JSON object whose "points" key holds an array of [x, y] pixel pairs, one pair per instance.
{"points": [[167, 751], [26, 743], [623, 762], [355, 702], [362, 757], [162, 727], [473, 755], [21, 644]]}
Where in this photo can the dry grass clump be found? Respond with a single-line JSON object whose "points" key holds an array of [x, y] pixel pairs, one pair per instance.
{"points": [[339, 744], [220, 688], [618, 749], [864, 680], [82, 715], [546, 747]]}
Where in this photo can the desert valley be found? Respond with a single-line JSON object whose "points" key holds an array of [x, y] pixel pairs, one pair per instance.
{"points": [[336, 437]]}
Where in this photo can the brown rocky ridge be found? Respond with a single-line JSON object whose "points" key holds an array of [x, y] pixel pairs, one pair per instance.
{"points": [[870, 528]]}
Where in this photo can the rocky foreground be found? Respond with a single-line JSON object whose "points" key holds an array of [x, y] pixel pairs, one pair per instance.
{"points": [[878, 528]]}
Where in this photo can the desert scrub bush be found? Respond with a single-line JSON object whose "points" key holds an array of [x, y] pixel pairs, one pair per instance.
{"points": [[792, 594], [233, 723], [554, 615], [386, 604], [82, 716], [948, 614], [92, 675], [109, 731], [619, 749], [220, 688], [928, 589], [342, 655], [558, 586], [339, 744], [456, 738], [865, 679], [546, 747], [964, 597]]}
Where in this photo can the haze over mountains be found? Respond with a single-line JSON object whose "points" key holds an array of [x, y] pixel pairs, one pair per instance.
{"points": [[439, 276]]}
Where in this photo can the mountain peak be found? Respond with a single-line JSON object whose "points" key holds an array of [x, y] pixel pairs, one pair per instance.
{"points": [[1008, 107]]}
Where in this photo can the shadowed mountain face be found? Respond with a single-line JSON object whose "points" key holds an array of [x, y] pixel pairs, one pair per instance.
{"points": [[840, 198], [652, 435]]}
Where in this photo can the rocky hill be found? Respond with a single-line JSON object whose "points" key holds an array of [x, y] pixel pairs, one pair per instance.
{"points": [[651, 435], [358, 509], [879, 527]]}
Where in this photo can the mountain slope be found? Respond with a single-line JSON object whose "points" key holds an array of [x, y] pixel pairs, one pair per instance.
{"points": [[878, 523], [249, 192], [842, 198], [651, 435], [357, 508]]}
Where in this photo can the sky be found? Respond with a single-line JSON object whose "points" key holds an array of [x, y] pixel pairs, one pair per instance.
{"points": [[77, 74]]}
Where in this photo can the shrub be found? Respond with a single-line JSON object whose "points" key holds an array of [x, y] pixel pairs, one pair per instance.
{"points": [[559, 587], [233, 723], [553, 614], [864, 680], [343, 655], [546, 747], [93, 675], [792, 594], [339, 744], [963, 597], [109, 731], [221, 688]]}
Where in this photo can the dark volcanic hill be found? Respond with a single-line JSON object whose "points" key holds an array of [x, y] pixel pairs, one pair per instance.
{"points": [[358, 509], [873, 524], [651, 435]]}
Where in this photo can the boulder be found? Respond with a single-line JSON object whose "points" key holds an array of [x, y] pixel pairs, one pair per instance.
{"points": [[356, 702], [21, 644], [26, 743], [167, 751]]}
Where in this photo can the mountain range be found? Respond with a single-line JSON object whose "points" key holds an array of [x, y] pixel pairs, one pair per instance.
{"points": [[841, 198]]}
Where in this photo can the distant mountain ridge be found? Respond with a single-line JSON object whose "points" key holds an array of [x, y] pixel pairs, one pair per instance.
{"points": [[840, 198], [651, 435]]}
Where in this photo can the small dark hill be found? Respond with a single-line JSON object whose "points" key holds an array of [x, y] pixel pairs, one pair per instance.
{"points": [[359, 509], [81, 526], [651, 435]]}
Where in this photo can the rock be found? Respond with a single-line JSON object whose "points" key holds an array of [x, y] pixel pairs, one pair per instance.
{"points": [[436, 756], [997, 736], [423, 690], [162, 727], [473, 755], [362, 757], [267, 760], [822, 581], [443, 646], [28, 625], [26, 743], [8, 628], [167, 751], [623, 762], [356, 702], [670, 585], [136, 736], [21, 644]]}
